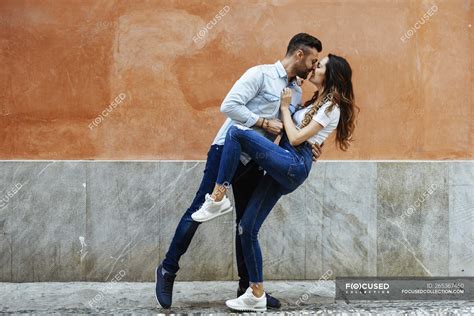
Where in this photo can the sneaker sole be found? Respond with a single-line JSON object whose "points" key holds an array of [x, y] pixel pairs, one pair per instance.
{"points": [[156, 283], [268, 306], [214, 216], [243, 309]]}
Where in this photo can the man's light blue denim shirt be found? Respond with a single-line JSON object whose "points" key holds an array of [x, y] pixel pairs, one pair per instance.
{"points": [[256, 94]]}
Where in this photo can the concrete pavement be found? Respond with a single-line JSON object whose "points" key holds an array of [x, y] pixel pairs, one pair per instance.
{"points": [[199, 297]]}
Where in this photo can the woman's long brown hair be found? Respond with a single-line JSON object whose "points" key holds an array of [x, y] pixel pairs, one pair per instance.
{"points": [[338, 90]]}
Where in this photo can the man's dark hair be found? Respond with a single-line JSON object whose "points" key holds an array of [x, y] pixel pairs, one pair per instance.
{"points": [[303, 41]]}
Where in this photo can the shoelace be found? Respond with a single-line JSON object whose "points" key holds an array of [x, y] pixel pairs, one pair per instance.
{"points": [[203, 205], [208, 201]]}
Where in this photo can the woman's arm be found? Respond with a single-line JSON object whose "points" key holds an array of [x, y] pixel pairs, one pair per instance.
{"points": [[295, 136]]}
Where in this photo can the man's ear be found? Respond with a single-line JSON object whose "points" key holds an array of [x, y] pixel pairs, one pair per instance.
{"points": [[300, 54]]}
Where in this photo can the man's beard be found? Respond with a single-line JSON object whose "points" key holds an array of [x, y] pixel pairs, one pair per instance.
{"points": [[303, 74]]}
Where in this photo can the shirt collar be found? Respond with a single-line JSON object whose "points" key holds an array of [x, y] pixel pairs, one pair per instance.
{"points": [[281, 70]]}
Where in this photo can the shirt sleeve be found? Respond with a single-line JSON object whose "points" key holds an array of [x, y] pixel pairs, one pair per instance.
{"points": [[244, 90], [322, 117]]}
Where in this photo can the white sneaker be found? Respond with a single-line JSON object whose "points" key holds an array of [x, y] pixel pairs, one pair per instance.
{"points": [[211, 209], [247, 302]]}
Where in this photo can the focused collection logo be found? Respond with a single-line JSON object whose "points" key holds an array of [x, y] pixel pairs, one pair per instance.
{"points": [[404, 288], [367, 287]]}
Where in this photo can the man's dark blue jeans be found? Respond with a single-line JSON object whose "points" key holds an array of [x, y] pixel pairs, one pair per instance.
{"points": [[244, 183]]}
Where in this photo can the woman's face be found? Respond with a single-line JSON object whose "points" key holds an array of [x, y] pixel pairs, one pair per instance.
{"points": [[319, 74]]}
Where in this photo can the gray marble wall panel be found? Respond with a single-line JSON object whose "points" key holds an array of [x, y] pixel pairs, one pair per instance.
{"points": [[41, 221], [461, 219], [412, 219], [122, 220], [93, 221], [349, 219], [313, 221]]}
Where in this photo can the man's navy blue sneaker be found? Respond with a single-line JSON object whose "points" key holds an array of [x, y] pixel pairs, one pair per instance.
{"points": [[272, 302], [164, 287]]}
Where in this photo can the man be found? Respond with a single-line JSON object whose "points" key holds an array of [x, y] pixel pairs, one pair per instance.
{"points": [[253, 101]]}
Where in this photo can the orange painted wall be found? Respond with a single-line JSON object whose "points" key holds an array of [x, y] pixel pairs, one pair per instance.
{"points": [[64, 61]]}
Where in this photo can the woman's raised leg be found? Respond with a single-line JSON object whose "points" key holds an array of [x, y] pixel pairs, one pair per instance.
{"points": [[274, 159]]}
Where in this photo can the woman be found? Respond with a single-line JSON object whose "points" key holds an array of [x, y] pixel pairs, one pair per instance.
{"points": [[287, 165]]}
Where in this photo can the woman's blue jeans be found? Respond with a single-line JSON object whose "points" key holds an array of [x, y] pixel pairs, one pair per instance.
{"points": [[286, 168]]}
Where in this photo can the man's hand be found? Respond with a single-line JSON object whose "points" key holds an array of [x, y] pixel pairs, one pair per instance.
{"points": [[316, 149], [274, 126]]}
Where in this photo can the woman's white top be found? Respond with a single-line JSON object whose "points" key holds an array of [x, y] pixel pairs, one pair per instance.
{"points": [[328, 121]]}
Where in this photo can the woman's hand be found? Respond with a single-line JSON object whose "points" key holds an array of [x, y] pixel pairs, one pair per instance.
{"points": [[285, 99]]}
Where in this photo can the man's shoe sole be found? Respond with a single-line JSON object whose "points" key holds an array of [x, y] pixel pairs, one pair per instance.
{"points": [[156, 283], [214, 216]]}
